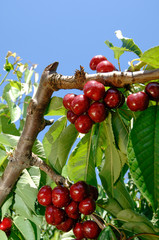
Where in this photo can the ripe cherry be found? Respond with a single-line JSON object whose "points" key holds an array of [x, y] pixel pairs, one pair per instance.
{"points": [[54, 215], [91, 229], [97, 112], [6, 224], [67, 225], [95, 60], [83, 123], [94, 90], [78, 231], [80, 104], [112, 98], [44, 196], [105, 66], [152, 89], [71, 116], [87, 206], [79, 191], [68, 98], [60, 196], [93, 192], [138, 101], [72, 210]]}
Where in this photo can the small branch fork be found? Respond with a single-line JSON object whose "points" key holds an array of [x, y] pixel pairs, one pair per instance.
{"points": [[51, 81]]}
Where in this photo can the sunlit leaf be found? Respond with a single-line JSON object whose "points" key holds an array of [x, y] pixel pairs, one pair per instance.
{"points": [[55, 107], [151, 57]]}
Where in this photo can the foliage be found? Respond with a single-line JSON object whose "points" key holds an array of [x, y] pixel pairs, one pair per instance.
{"points": [[120, 155]]}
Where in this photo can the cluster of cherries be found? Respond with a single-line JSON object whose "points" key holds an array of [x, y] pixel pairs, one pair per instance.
{"points": [[64, 208], [5, 225]]}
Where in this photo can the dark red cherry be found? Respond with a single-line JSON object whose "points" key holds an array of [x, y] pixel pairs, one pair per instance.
{"points": [[67, 225], [105, 66], [54, 215], [72, 210], [78, 230], [68, 98], [94, 90], [60, 196], [80, 104], [138, 101], [6, 224], [97, 112], [152, 89], [79, 191], [112, 98], [95, 60], [71, 116], [91, 229], [93, 192], [83, 123], [45, 195], [87, 206]]}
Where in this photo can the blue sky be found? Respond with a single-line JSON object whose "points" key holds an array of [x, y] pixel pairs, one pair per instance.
{"points": [[73, 31]]}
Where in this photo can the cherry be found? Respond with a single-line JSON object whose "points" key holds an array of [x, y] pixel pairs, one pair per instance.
{"points": [[79, 191], [54, 215], [97, 112], [72, 207], [67, 225], [60, 196], [80, 104], [68, 98], [6, 224], [71, 116], [91, 229], [78, 230], [152, 89], [83, 123], [112, 98], [44, 196], [93, 192], [122, 100], [138, 101], [105, 66], [87, 206], [94, 90], [95, 60]]}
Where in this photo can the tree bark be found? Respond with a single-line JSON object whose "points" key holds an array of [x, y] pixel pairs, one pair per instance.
{"points": [[51, 81]]}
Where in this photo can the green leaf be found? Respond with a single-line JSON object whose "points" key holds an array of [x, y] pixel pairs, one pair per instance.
{"points": [[25, 227], [81, 164], [145, 144], [38, 149], [8, 66], [9, 140], [3, 236], [6, 206], [58, 142], [55, 107], [111, 168], [151, 57], [108, 234], [110, 205], [118, 51], [128, 43], [27, 86], [3, 156], [8, 127]]}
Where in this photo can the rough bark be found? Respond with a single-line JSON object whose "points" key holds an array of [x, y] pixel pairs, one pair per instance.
{"points": [[35, 122]]}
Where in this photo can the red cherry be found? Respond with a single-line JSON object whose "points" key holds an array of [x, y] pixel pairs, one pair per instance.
{"points": [[79, 191], [112, 98], [71, 116], [54, 215], [80, 104], [72, 210], [97, 112], [78, 231], [67, 225], [105, 66], [94, 90], [91, 229], [44, 196], [6, 224], [93, 192], [87, 206], [83, 123], [138, 101], [60, 196], [152, 89], [68, 98], [95, 60]]}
